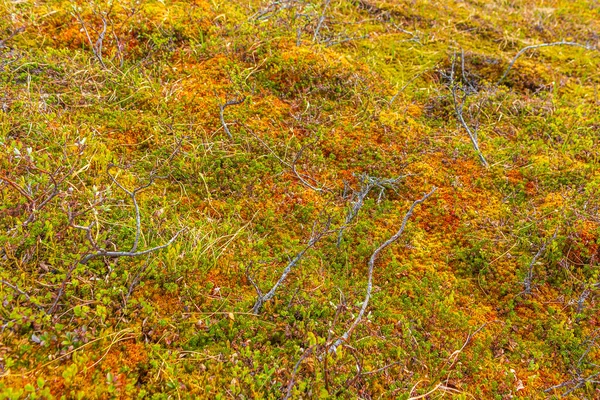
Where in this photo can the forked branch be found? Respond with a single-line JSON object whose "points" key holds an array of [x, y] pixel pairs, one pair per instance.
{"points": [[371, 265], [133, 251], [528, 282], [222, 108], [367, 183], [263, 298], [458, 109], [537, 46], [97, 47]]}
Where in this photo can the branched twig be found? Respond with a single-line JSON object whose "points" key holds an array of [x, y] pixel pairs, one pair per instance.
{"points": [[299, 176], [458, 109], [367, 183], [36, 204], [371, 265], [537, 46], [411, 80], [454, 356], [321, 20], [529, 278], [17, 187], [13, 34], [101, 252], [19, 291], [332, 42], [304, 179], [222, 108], [133, 252], [577, 383], [579, 379], [292, 381], [136, 280], [63, 286], [96, 48], [263, 298]]}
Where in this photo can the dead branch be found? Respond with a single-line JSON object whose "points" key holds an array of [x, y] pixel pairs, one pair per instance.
{"points": [[12, 35], [17, 187], [411, 80], [537, 46], [529, 278], [579, 379], [132, 252], [135, 281], [304, 179], [454, 356], [263, 298], [367, 183], [458, 109], [371, 265], [331, 42], [378, 370], [222, 108], [19, 291], [575, 383], [63, 286], [97, 47], [292, 381], [321, 20], [41, 202], [36, 204], [301, 178]]}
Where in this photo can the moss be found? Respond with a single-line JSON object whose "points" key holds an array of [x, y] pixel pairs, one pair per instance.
{"points": [[368, 93]]}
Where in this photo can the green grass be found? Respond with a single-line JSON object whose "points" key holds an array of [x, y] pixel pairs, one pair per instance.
{"points": [[369, 94]]}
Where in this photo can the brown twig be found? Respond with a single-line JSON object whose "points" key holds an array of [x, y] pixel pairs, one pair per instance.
{"points": [[19, 291], [18, 188]]}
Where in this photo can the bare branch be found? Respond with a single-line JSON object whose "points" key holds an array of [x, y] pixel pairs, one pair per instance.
{"points": [[537, 46], [19, 291], [259, 292], [115, 254], [292, 381], [96, 48], [458, 109], [222, 108], [529, 278], [576, 384], [136, 280], [367, 184], [300, 177], [321, 20], [371, 265], [411, 80], [13, 34], [331, 42], [17, 187], [304, 179], [261, 299], [133, 252]]}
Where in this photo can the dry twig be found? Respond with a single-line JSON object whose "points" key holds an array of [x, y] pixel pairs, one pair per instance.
{"points": [[371, 265], [537, 46], [529, 278], [222, 108], [263, 298], [367, 183], [458, 109]]}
